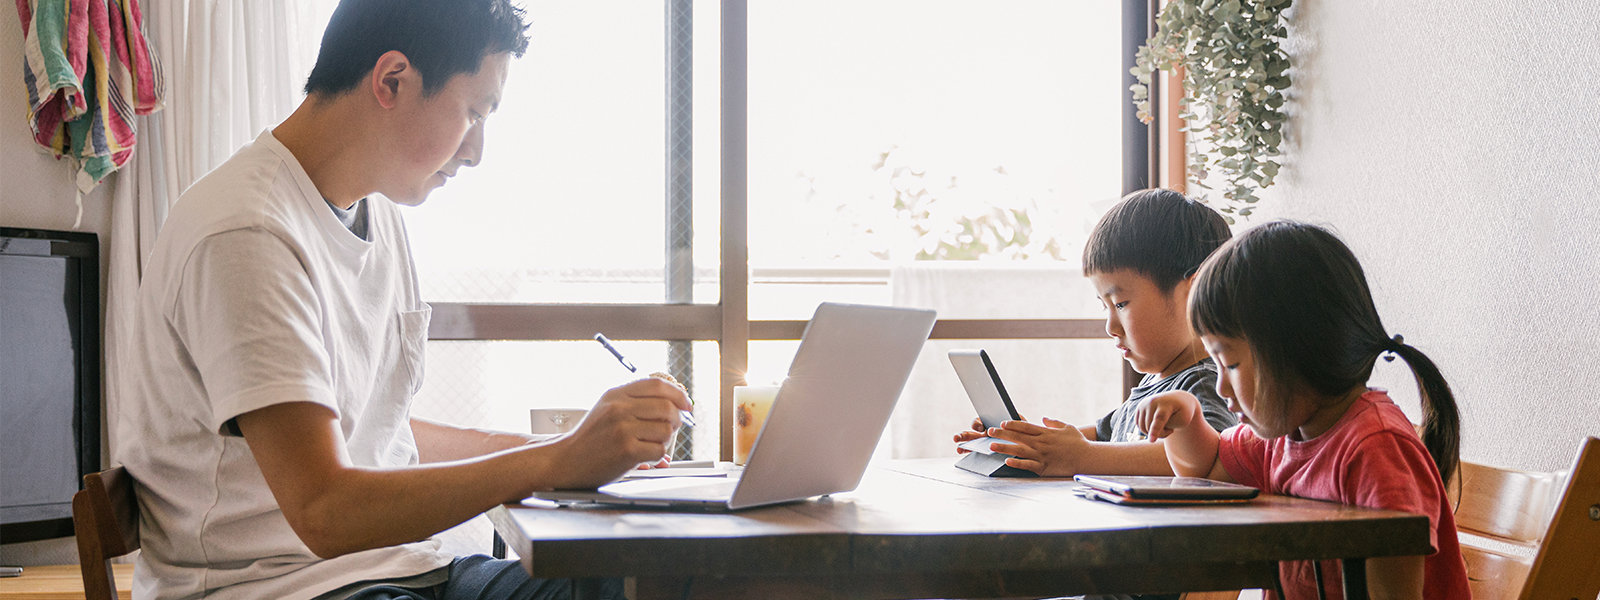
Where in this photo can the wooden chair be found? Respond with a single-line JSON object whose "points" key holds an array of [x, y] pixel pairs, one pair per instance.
{"points": [[1234, 595], [106, 517], [1554, 517]]}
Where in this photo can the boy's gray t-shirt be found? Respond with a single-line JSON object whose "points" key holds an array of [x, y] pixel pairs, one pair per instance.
{"points": [[1199, 379], [1119, 425]]}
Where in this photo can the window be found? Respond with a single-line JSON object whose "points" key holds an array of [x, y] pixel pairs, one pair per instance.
{"points": [[951, 154]]}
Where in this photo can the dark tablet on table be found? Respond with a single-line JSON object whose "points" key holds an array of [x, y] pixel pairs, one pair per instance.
{"points": [[1152, 487]]}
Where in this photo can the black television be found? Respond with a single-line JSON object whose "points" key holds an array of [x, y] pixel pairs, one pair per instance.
{"points": [[49, 378]]}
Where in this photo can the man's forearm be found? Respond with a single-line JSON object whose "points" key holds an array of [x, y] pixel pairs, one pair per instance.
{"points": [[336, 507], [440, 442], [373, 508]]}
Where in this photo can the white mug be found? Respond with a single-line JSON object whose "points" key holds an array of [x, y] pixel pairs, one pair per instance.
{"points": [[554, 420]]}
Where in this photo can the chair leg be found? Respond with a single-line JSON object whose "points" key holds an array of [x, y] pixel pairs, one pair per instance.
{"points": [[1355, 578]]}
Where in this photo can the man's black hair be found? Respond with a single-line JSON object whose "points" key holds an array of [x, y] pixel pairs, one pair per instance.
{"points": [[441, 38], [1156, 232]]}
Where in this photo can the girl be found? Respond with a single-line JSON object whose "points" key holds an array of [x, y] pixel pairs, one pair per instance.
{"points": [[1285, 311]]}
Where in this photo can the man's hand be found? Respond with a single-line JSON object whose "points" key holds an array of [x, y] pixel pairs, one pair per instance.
{"points": [[630, 425]]}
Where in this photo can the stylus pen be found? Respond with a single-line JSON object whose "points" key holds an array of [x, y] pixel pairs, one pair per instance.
{"points": [[688, 418]]}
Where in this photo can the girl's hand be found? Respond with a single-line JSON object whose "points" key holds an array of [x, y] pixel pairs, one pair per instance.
{"points": [[1190, 443], [1163, 414]]}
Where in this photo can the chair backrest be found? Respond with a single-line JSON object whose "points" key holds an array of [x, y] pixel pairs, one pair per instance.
{"points": [[1233, 595], [105, 516], [1549, 521]]}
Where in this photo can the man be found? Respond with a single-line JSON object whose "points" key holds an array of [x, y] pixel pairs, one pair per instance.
{"points": [[280, 332]]}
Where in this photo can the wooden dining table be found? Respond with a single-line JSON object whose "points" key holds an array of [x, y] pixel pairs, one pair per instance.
{"points": [[925, 529]]}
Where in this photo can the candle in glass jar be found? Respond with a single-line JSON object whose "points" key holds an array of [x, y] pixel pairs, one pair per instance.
{"points": [[751, 404]]}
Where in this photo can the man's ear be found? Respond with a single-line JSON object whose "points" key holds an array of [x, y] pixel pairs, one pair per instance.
{"points": [[392, 73]]}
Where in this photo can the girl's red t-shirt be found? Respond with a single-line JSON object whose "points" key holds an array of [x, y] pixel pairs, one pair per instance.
{"points": [[1371, 457]]}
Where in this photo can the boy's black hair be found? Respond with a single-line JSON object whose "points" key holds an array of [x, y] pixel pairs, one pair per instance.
{"points": [[1157, 232], [441, 38], [1299, 298]]}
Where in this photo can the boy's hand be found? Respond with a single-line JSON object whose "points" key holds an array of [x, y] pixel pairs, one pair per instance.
{"points": [[1051, 449], [977, 431], [1163, 414]]}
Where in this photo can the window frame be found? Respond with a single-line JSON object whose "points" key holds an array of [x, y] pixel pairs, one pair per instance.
{"points": [[728, 322]]}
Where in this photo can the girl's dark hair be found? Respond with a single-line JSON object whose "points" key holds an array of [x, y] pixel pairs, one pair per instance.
{"points": [[1299, 298], [1157, 232], [441, 38]]}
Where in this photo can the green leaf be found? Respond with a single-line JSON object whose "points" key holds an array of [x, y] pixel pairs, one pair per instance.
{"points": [[1234, 78]]}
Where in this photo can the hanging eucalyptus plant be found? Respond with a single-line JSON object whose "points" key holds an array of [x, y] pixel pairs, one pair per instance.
{"points": [[1235, 73]]}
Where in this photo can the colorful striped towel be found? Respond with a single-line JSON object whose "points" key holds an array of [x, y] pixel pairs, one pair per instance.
{"points": [[88, 70]]}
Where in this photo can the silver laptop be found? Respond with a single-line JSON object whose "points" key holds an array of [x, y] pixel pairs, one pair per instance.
{"points": [[829, 413]]}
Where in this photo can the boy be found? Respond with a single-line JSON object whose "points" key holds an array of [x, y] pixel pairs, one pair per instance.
{"points": [[1141, 259], [279, 340]]}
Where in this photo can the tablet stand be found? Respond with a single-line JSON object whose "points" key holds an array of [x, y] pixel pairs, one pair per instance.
{"points": [[991, 465]]}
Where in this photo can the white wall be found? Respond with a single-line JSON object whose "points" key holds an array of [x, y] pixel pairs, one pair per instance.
{"points": [[1455, 145], [37, 192]]}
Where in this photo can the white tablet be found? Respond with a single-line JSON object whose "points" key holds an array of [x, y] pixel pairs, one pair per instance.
{"points": [[985, 391]]}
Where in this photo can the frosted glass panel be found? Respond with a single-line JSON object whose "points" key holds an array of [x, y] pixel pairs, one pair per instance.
{"points": [[888, 132]]}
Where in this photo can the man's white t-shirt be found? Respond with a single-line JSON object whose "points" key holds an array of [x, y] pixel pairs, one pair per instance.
{"points": [[254, 295]]}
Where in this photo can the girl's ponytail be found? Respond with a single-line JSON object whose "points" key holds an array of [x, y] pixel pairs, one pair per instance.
{"points": [[1441, 420], [1300, 297]]}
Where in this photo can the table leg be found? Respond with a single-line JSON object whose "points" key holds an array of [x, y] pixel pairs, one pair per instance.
{"points": [[1355, 578], [589, 589]]}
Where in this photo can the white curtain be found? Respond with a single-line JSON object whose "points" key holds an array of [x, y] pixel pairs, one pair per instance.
{"points": [[1061, 379], [234, 68]]}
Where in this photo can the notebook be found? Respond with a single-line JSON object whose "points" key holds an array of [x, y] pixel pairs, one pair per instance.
{"points": [[852, 363]]}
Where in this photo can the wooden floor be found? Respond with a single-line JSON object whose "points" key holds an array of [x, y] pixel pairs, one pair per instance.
{"points": [[59, 582]]}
